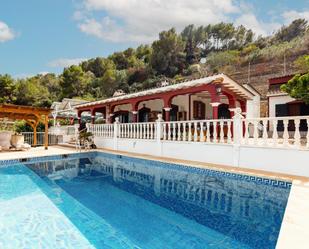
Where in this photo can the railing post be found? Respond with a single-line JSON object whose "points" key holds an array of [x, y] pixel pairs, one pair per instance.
{"points": [[237, 126], [116, 133], [159, 133], [237, 135]]}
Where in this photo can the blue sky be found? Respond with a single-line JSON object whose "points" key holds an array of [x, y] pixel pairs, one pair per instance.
{"points": [[46, 35]]}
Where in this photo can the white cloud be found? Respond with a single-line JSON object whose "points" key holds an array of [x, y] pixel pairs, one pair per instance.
{"points": [[6, 33], [141, 20], [291, 15], [65, 62], [250, 21]]}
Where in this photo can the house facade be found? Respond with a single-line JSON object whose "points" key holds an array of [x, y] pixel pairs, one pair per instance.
{"points": [[214, 97]]}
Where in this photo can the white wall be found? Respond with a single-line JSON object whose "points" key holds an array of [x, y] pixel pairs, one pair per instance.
{"points": [[253, 107], [287, 161]]}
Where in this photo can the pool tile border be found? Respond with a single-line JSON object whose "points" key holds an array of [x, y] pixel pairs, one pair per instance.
{"points": [[210, 172], [191, 168]]}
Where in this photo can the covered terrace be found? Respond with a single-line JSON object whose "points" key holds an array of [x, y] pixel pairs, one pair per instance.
{"points": [[211, 97]]}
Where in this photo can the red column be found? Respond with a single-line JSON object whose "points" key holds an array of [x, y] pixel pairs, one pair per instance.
{"points": [[134, 106], [79, 116], [92, 116], [243, 107], [167, 117], [107, 115], [215, 107], [135, 119]]}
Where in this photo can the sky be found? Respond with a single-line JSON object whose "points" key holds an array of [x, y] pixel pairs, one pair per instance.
{"points": [[40, 36]]}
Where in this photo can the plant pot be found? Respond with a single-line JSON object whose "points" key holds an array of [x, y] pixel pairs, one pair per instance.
{"points": [[17, 140], [5, 138]]}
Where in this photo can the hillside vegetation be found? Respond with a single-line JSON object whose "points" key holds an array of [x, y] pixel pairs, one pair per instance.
{"points": [[222, 47]]}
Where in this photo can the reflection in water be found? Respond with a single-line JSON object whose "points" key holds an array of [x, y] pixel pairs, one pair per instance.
{"points": [[249, 211]]}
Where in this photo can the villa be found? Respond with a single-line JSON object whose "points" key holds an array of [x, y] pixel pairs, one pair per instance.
{"points": [[189, 165]]}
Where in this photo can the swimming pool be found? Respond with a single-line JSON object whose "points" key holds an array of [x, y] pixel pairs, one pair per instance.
{"points": [[100, 200]]}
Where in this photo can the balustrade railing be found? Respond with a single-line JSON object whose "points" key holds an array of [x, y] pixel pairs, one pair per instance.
{"points": [[270, 132], [102, 130], [276, 131], [137, 130], [214, 131]]}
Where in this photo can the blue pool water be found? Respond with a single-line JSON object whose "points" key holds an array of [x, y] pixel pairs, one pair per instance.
{"points": [[98, 200]]}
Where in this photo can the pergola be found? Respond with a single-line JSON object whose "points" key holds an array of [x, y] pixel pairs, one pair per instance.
{"points": [[32, 115]]}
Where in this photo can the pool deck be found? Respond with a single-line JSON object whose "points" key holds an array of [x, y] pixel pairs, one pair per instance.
{"points": [[295, 226]]}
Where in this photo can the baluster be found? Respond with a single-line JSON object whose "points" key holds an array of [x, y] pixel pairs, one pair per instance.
{"points": [[285, 133], [184, 133], [246, 140], [179, 132], [195, 132], [190, 132], [256, 132], [144, 130], [221, 132], [148, 131], [169, 131], [139, 133], [207, 131], [214, 134], [297, 133], [134, 131], [202, 137], [153, 130], [164, 131], [307, 145], [265, 135], [229, 132], [275, 132], [174, 131]]}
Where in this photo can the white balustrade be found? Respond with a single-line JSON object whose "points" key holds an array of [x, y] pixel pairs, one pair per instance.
{"points": [[215, 131], [137, 130], [287, 132], [269, 132]]}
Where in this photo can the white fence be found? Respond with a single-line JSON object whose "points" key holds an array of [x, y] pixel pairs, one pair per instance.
{"points": [[287, 132]]}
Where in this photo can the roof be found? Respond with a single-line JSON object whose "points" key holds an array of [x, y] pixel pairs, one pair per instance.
{"points": [[226, 82], [280, 80], [67, 104]]}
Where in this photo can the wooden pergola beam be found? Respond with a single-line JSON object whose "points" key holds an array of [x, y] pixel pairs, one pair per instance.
{"points": [[32, 115]]}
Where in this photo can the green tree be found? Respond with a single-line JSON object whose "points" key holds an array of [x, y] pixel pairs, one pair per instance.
{"points": [[52, 83], [7, 86], [75, 82], [298, 87], [192, 49], [30, 92], [302, 63], [168, 55], [98, 66], [287, 33]]}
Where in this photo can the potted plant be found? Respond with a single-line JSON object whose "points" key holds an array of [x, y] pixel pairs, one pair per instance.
{"points": [[17, 140]]}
